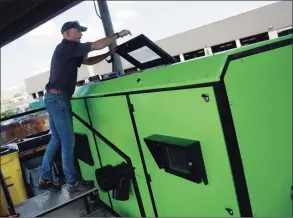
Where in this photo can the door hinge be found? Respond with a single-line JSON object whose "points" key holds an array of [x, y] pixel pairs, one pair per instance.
{"points": [[131, 107]]}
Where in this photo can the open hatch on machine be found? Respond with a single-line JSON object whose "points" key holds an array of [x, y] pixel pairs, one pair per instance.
{"points": [[143, 53]]}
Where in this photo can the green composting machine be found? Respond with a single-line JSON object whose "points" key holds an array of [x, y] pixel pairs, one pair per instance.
{"points": [[206, 137]]}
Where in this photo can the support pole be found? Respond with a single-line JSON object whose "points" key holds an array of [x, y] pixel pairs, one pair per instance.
{"points": [[108, 28]]}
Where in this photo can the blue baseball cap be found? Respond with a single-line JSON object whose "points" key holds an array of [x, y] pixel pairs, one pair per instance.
{"points": [[73, 24]]}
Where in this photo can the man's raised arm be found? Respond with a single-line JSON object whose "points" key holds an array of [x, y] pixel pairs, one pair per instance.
{"points": [[105, 42], [96, 59]]}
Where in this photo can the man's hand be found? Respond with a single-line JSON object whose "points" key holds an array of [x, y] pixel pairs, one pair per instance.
{"points": [[124, 33], [98, 58]]}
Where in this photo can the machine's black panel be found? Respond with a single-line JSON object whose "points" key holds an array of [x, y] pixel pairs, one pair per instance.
{"points": [[148, 54], [181, 157], [82, 149]]}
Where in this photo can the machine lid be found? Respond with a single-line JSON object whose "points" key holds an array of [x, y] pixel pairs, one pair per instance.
{"points": [[143, 53]]}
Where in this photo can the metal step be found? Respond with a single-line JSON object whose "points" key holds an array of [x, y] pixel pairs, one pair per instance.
{"points": [[101, 212], [48, 202]]}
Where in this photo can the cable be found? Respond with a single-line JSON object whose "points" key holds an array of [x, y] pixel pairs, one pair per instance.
{"points": [[94, 1]]}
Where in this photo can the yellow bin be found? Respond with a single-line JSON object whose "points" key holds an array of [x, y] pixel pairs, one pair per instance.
{"points": [[12, 173]]}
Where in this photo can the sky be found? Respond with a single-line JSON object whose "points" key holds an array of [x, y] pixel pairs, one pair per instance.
{"points": [[31, 54]]}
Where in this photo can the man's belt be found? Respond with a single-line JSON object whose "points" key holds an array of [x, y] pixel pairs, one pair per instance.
{"points": [[56, 91]]}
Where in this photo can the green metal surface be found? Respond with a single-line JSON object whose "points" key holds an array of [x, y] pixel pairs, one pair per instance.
{"points": [[88, 172], [185, 114], [198, 71], [191, 72], [260, 91], [116, 126]]}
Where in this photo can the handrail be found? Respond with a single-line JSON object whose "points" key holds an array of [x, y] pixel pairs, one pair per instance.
{"points": [[7, 196], [110, 144], [22, 114]]}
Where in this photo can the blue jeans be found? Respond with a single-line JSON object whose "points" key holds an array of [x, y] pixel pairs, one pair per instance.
{"points": [[62, 137]]}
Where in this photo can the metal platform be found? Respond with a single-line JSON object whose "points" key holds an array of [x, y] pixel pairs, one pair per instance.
{"points": [[48, 202], [100, 213]]}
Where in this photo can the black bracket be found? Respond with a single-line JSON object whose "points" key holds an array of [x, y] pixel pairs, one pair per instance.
{"points": [[117, 179]]}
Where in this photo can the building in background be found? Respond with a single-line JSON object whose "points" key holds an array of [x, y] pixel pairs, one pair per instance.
{"points": [[258, 25], [18, 103]]}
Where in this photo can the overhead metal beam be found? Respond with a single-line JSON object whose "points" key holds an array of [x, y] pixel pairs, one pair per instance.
{"points": [[39, 12], [109, 30]]}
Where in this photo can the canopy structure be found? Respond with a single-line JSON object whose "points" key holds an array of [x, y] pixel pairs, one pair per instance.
{"points": [[19, 17]]}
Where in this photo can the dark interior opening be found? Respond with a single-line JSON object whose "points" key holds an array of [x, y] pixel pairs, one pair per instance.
{"points": [[285, 32], [109, 76], [41, 94], [80, 83], [194, 54], [223, 47], [131, 70], [94, 78], [34, 96], [177, 159], [177, 57], [254, 39]]}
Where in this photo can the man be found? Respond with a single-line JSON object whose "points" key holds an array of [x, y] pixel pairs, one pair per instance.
{"points": [[67, 57]]}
